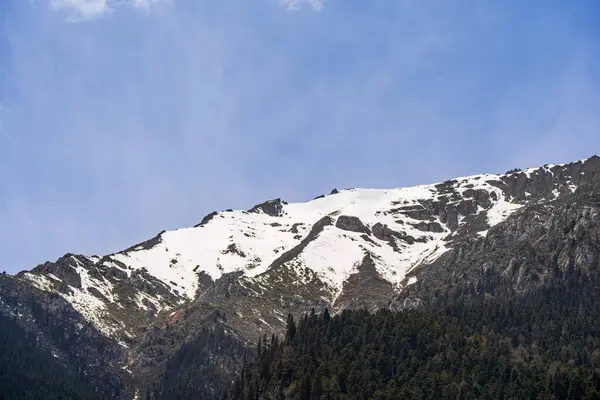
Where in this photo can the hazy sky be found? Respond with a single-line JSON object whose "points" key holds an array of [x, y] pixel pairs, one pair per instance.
{"points": [[120, 118]]}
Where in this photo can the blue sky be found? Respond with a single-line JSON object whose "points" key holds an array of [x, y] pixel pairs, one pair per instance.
{"points": [[120, 118]]}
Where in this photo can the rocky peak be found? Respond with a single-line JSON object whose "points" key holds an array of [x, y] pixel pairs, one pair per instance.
{"points": [[65, 269], [274, 208], [148, 244], [207, 219], [550, 180]]}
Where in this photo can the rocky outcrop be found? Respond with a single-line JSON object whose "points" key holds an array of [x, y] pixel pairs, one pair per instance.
{"points": [[548, 182], [429, 227], [294, 228], [481, 196], [148, 244], [142, 281], [274, 208], [418, 212], [114, 273], [383, 232], [445, 209], [227, 286], [296, 250], [352, 224], [539, 243], [470, 225], [64, 269], [365, 289], [233, 249], [448, 215], [207, 219], [467, 207]]}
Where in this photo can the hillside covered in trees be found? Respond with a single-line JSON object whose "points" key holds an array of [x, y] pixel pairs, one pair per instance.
{"points": [[197, 369], [543, 346], [28, 371]]}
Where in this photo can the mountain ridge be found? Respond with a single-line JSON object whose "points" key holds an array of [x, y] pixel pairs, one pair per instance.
{"points": [[244, 271], [402, 215]]}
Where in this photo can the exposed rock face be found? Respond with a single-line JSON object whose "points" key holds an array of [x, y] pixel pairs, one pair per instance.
{"points": [[207, 219], [467, 207], [294, 228], [148, 244], [142, 281], [471, 225], [417, 212], [295, 251], [117, 300], [383, 232], [429, 227], [62, 269], [443, 209], [365, 289], [481, 197], [542, 182], [114, 273], [537, 243], [242, 272], [274, 208], [352, 224], [225, 287]]}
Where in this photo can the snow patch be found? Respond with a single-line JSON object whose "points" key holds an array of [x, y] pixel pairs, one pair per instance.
{"points": [[501, 210]]}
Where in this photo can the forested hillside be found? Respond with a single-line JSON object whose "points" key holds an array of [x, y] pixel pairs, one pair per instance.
{"points": [[544, 346], [30, 372], [198, 368]]}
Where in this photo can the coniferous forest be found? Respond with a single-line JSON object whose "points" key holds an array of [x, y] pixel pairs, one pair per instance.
{"points": [[542, 346], [30, 372], [193, 371]]}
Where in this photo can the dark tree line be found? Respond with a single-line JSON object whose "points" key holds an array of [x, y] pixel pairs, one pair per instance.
{"points": [[202, 367], [28, 368], [545, 345], [28, 371]]}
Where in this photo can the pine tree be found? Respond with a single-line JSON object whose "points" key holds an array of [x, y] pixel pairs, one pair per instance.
{"points": [[326, 316], [290, 330]]}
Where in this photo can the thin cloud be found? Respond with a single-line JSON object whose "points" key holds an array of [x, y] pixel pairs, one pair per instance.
{"points": [[89, 9], [294, 5], [81, 9]]}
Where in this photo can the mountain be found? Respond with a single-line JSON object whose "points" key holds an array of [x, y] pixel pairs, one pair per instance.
{"points": [[240, 273]]}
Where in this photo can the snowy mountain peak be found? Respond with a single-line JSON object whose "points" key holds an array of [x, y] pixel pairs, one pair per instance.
{"points": [[325, 244]]}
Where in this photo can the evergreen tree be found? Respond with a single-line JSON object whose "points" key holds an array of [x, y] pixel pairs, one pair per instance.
{"points": [[290, 329]]}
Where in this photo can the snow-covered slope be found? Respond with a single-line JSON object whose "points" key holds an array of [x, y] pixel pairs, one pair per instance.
{"points": [[250, 242], [399, 228]]}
